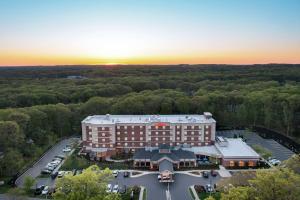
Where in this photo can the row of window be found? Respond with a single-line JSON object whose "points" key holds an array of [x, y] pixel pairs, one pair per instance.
{"points": [[132, 138], [241, 163]]}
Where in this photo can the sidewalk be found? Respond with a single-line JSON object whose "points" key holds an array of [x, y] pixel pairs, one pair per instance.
{"points": [[142, 193], [194, 192]]}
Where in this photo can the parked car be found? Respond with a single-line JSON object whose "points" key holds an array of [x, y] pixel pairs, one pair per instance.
{"points": [[109, 188], [67, 149], [45, 190], [39, 189], [274, 161], [213, 173], [126, 174], [122, 189], [115, 189], [78, 171], [159, 177], [60, 174], [208, 188], [61, 157], [115, 173], [46, 171], [205, 174], [54, 175]]}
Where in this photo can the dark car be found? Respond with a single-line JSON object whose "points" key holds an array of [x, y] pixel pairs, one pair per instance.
{"points": [[213, 173], [60, 156], [54, 175], [39, 190], [126, 174], [122, 189], [205, 174]]}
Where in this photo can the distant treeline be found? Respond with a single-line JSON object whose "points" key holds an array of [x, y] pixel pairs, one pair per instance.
{"points": [[38, 109]]}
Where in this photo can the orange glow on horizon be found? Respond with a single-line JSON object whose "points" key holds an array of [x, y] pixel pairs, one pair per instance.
{"points": [[27, 59]]}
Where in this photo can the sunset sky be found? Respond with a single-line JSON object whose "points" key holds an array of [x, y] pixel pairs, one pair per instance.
{"points": [[54, 32]]}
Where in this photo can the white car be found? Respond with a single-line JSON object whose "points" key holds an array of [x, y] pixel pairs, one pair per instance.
{"points": [[67, 149], [109, 188], [274, 161], [61, 174], [115, 173], [115, 189], [45, 190], [159, 177], [208, 188]]}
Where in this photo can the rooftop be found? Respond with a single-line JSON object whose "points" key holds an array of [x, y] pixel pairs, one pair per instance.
{"points": [[144, 119], [236, 148]]}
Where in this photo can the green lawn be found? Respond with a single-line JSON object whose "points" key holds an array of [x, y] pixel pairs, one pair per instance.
{"points": [[203, 195]]}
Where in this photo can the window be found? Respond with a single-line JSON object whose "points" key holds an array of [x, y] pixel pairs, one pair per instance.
{"points": [[141, 127], [141, 144], [178, 132], [192, 132], [111, 145], [192, 144], [178, 138], [132, 132], [206, 132], [164, 133], [156, 133], [241, 163], [206, 138], [103, 134], [103, 140], [156, 139], [90, 144], [164, 139], [97, 145], [199, 144], [125, 127], [251, 163], [156, 127], [132, 127], [177, 127], [103, 145], [192, 127], [141, 133], [206, 126], [231, 163], [118, 138], [164, 127], [141, 138], [178, 143], [132, 138], [156, 144], [126, 144], [192, 138], [118, 133], [125, 138], [118, 127], [206, 143]]}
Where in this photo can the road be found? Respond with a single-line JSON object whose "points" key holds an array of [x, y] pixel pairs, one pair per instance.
{"points": [[35, 170], [157, 191]]}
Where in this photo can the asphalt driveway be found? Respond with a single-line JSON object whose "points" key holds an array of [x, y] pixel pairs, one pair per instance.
{"points": [[157, 191], [35, 170]]}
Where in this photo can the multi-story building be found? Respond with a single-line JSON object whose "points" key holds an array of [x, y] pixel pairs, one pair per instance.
{"points": [[182, 140], [106, 134]]}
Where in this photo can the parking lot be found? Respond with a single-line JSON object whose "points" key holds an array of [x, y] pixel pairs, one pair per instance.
{"points": [[36, 169], [157, 191], [278, 151]]}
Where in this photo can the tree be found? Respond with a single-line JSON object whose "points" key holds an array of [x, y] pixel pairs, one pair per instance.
{"points": [[11, 162], [210, 198], [28, 184], [237, 193], [263, 152], [293, 163], [10, 135], [90, 185]]}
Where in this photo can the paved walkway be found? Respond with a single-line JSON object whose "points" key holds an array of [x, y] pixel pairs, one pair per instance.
{"points": [[194, 192], [224, 173]]}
